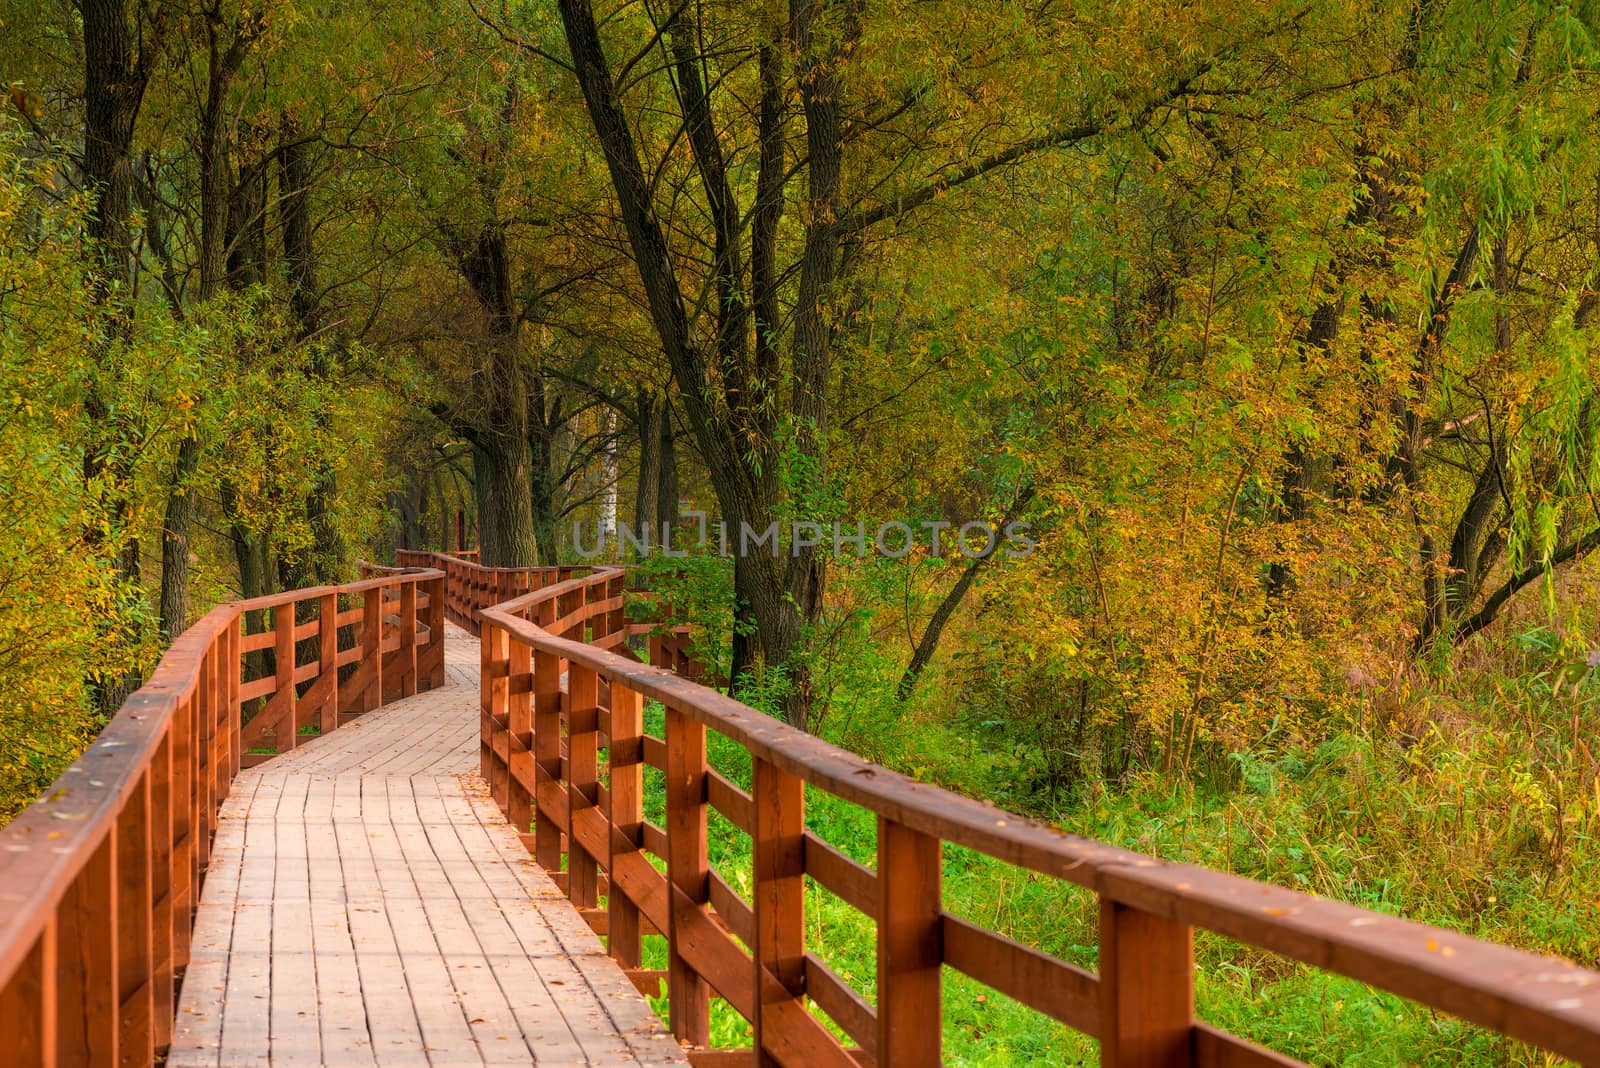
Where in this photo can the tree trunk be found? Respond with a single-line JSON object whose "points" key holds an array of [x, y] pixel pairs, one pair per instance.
{"points": [[501, 431], [117, 60], [544, 428], [667, 475], [648, 490], [325, 564], [177, 531], [505, 519], [182, 507]]}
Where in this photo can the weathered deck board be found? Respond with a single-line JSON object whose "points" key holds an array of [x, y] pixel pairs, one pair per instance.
{"points": [[368, 905]]}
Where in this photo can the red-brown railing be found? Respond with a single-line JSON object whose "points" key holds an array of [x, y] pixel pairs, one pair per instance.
{"points": [[100, 877], [559, 689], [470, 587]]}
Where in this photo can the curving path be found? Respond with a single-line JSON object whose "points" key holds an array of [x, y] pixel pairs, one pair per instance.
{"points": [[367, 904]]}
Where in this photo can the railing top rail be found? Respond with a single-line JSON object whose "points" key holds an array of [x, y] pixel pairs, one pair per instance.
{"points": [[47, 843], [311, 593], [1534, 998], [456, 557]]}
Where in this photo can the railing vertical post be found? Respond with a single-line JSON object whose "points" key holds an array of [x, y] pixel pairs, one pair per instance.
{"points": [[328, 661], [134, 919], [371, 648], [1146, 989], [161, 862], [199, 824], [547, 786], [495, 692], [625, 814], [283, 697], [28, 1002], [593, 593], [688, 874], [485, 708], [910, 953], [205, 715], [779, 868], [181, 786], [408, 638], [434, 661], [519, 728], [619, 615], [583, 780], [222, 721], [233, 677], [87, 1016]]}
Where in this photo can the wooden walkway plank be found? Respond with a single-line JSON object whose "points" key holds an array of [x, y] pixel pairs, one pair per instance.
{"points": [[498, 919], [367, 905], [343, 1024], [197, 1033]]}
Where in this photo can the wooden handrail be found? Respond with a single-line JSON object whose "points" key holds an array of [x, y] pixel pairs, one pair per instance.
{"points": [[472, 587], [555, 690], [100, 877]]}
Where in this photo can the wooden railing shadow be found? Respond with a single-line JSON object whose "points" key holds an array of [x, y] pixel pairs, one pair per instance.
{"points": [[564, 750], [100, 878]]}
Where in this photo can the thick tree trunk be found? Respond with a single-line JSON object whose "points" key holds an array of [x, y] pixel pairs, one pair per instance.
{"points": [[505, 519], [215, 175], [117, 62], [324, 563], [544, 427], [501, 430]]}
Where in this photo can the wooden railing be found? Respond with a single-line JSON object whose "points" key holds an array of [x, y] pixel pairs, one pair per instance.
{"points": [[100, 877], [470, 588], [560, 689]]}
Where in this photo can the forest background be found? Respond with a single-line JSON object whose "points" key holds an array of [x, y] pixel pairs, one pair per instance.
{"points": [[1275, 322]]}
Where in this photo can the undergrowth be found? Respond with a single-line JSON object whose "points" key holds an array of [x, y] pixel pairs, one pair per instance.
{"points": [[1477, 814]]}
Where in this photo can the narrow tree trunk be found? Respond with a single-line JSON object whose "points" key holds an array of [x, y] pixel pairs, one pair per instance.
{"points": [[648, 491], [182, 507], [305, 304], [177, 530], [667, 477], [608, 474]]}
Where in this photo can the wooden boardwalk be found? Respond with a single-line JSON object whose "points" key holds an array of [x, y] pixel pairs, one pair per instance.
{"points": [[367, 904]]}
